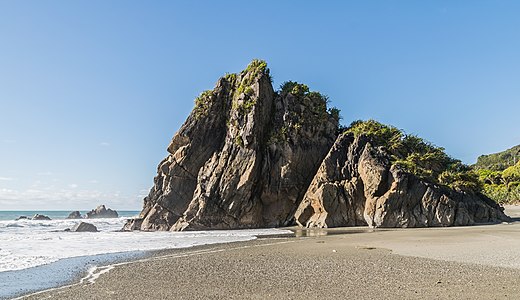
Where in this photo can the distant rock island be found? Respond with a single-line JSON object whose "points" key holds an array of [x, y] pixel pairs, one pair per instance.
{"points": [[36, 217], [101, 212], [74, 215], [249, 156]]}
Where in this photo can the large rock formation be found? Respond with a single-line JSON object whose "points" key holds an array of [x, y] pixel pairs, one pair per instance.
{"points": [[246, 157], [358, 185], [243, 159]]}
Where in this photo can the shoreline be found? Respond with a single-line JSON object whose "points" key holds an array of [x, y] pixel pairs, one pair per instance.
{"points": [[63, 272], [91, 274], [68, 267], [484, 254], [296, 268]]}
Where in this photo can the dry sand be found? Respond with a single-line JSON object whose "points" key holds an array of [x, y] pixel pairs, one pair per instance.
{"points": [[478, 262]]}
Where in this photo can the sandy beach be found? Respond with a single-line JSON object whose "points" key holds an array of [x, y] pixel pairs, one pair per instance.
{"points": [[477, 262]]}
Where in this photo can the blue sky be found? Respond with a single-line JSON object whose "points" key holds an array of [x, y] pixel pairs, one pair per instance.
{"points": [[91, 92]]}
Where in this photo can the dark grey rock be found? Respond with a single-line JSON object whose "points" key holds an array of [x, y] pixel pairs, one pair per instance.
{"points": [[74, 215], [84, 227], [102, 212], [39, 217]]}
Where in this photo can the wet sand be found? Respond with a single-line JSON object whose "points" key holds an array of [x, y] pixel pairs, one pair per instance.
{"points": [[477, 262]]}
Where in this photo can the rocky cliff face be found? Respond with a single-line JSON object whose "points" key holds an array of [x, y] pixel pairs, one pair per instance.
{"points": [[243, 159], [356, 184]]}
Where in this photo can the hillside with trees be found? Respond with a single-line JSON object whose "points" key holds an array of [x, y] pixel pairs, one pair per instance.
{"points": [[499, 175]]}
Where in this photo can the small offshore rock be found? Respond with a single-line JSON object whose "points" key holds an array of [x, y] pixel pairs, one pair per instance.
{"points": [[39, 217], [84, 227], [22, 218], [74, 215], [102, 212]]}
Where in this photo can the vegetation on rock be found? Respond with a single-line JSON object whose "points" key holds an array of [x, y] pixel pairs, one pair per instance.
{"points": [[496, 175], [417, 156], [309, 111], [202, 103], [247, 78]]}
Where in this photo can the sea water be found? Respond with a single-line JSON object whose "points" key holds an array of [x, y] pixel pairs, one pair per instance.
{"points": [[36, 255]]}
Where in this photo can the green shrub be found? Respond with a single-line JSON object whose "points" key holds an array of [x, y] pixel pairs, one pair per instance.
{"points": [[257, 66], [502, 193], [512, 173], [230, 77], [314, 101], [249, 91], [202, 104], [335, 113], [501, 186], [239, 141]]}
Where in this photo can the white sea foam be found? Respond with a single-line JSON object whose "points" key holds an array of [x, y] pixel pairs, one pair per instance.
{"points": [[27, 243], [39, 254]]}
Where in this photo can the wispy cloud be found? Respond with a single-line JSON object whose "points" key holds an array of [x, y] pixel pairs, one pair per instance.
{"points": [[6, 179], [73, 185], [36, 184], [104, 144], [46, 173], [64, 198], [9, 141]]}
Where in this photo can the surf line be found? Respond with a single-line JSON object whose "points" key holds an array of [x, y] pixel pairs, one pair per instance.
{"points": [[95, 272]]}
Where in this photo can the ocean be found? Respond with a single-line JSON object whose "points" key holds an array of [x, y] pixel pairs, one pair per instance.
{"points": [[10, 215], [37, 255]]}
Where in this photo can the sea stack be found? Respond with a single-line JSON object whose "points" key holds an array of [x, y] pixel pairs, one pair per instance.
{"points": [[39, 217], [74, 215], [244, 157], [250, 157], [101, 212]]}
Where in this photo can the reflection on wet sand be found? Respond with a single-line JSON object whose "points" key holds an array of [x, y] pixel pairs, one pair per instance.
{"points": [[317, 232]]}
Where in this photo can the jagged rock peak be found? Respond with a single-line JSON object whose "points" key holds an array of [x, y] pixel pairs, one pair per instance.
{"points": [[244, 157], [101, 212]]}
